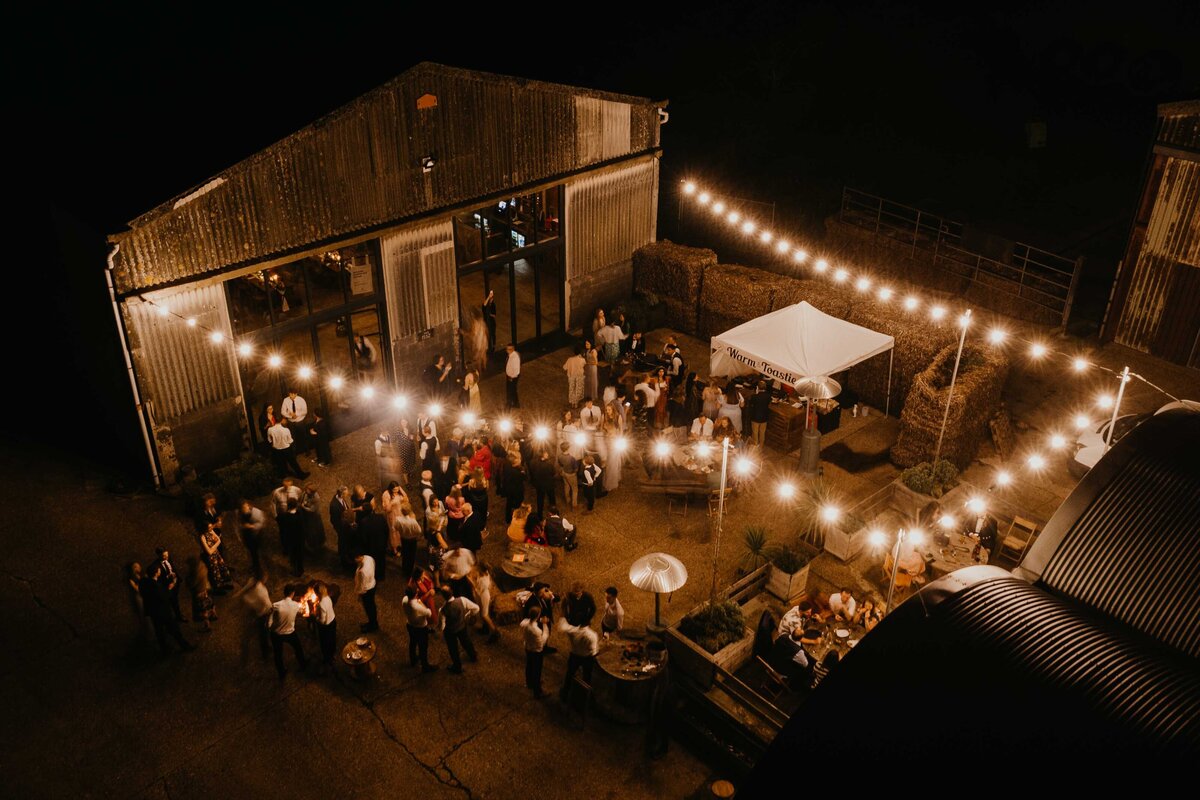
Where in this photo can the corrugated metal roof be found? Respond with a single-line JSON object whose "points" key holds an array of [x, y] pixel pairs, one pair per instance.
{"points": [[361, 166], [1179, 124]]}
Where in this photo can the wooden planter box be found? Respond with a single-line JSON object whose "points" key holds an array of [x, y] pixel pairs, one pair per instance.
{"points": [[785, 586], [845, 544], [698, 664], [908, 502]]}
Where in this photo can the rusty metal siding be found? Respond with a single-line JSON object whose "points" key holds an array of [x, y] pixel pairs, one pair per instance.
{"points": [[403, 270], [1179, 124], [438, 275], [609, 216], [1172, 237], [179, 368], [360, 167]]}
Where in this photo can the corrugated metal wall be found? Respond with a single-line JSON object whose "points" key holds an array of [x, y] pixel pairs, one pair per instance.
{"points": [[419, 277], [1172, 238], [609, 216], [361, 167], [179, 369]]}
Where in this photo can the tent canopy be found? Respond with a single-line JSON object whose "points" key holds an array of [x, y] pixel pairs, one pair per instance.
{"points": [[795, 342]]}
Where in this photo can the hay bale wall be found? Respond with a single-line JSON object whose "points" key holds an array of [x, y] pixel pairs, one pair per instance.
{"points": [[733, 294], [918, 342], [981, 378], [834, 300], [676, 274]]}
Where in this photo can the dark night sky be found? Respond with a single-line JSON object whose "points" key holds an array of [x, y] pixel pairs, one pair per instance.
{"points": [[784, 102]]}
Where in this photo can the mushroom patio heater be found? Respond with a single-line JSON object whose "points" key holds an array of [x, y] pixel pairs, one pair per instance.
{"points": [[817, 388], [661, 574]]}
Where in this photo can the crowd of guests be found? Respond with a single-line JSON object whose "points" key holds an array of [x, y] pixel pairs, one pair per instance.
{"points": [[802, 629]]}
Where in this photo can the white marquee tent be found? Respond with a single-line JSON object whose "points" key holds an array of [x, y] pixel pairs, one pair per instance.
{"points": [[794, 343]]}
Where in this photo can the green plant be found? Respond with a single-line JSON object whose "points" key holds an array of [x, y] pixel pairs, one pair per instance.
{"points": [[249, 477], [926, 478], [790, 559], [714, 626], [755, 541]]}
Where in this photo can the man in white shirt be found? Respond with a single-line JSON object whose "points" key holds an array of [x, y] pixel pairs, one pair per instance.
{"points": [[364, 587], [326, 626], [613, 619], [280, 439], [585, 644], [287, 490], [512, 373], [457, 612], [418, 630], [589, 415], [536, 630], [294, 410], [702, 427], [282, 624], [842, 605], [258, 604]]}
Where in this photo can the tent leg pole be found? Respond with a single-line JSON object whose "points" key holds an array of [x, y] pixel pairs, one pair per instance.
{"points": [[887, 408]]}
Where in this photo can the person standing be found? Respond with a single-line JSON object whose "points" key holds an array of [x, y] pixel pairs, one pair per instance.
{"points": [[364, 587], [579, 608], [568, 469], [341, 519], [281, 450], [512, 374], [310, 516], [418, 616], [544, 599], [470, 531], [199, 587], [210, 515], [476, 493], [591, 371], [291, 535], [456, 614], [169, 580], [250, 524], [589, 415], [218, 571], [282, 624], [588, 478], [295, 410], [373, 538], [409, 530], [732, 406], [470, 394], [157, 601], [326, 625], [536, 630], [585, 644], [613, 619], [489, 319], [760, 414], [484, 588], [573, 366], [543, 476], [258, 607], [512, 479], [133, 582], [287, 490], [318, 431]]}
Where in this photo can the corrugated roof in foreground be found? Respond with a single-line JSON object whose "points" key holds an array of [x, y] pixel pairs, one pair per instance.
{"points": [[361, 166]]}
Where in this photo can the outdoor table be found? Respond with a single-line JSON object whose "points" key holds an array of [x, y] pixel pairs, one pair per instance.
{"points": [[831, 641], [360, 658], [535, 560], [625, 686], [955, 555]]}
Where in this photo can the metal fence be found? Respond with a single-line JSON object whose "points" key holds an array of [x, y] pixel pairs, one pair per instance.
{"points": [[1027, 273]]}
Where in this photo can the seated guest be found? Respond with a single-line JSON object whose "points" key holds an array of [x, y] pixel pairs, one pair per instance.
{"points": [[637, 345], [723, 429], [842, 605], [534, 530], [788, 658], [822, 669], [702, 428], [868, 615], [516, 528], [558, 531], [798, 617]]}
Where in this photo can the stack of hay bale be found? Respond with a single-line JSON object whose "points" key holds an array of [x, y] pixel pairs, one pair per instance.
{"points": [[733, 294], [918, 341], [676, 274], [981, 377]]}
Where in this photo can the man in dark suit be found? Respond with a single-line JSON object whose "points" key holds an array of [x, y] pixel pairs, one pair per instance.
{"points": [[169, 580], [373, 538], [470, 531], [543, 475], [291, 535], [445, 474], [341, 520], [157, 602]]}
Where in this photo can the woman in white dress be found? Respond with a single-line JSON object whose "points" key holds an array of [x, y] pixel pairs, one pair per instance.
{"points": [[485, 590], [731, 406], [613, 430], [567, 428], [710, 401], [470, 394]]}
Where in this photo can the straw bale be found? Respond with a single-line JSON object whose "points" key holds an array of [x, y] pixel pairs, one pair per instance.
{"points": [[733, 294], [977, 392], [918, 342], [834, 300], [676, 274]]}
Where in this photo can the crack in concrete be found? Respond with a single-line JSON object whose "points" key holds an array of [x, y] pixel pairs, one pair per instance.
{"points": [[43, 604], [442, 761], [452, 781]]}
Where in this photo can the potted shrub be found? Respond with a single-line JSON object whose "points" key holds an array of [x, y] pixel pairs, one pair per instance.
{"points": [[754, 542], [923, 483], [710, 636], [789, 570], [846, 538]]}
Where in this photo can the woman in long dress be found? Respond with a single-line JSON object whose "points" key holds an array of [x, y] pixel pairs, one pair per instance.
{"points": [[218, 570], [476, 493], [731, 406], [406, 448], [470, 394], [591, 371], [710, 400], [310, 516], [485, 590]]}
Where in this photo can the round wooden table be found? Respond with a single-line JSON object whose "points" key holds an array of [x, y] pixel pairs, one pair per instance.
{"points": [[532, 561], [624, 693], [362, 666]]}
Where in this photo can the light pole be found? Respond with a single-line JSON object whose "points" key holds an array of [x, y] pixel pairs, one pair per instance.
{"points": [[964, 322], [1112, 424], [720, 518]]}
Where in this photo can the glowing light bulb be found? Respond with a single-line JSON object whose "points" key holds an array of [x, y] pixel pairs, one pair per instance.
{"points": [[435, 409], [703, 448], [244, 349], [800, 256], [541, 433], [937, 313], [1035, 461], [506, 426], [743, 465], [1037, 350], [885, 294], [831, 513], [580, 439], [191, 322], [1105, 401], [163, 311], [1003, 477], [916, 536], [911, 303], [765, 237], [718, 207], [275, 362], [704, 198], [947, 521], [1058, 441], [964, 320], [821, 265], [216, 337], [399, 402], [733, 217], [689, 188], [862, 284], [877, 538], [468, 419], [840, 275], [662, 449], [782, 246], [305, 372], [1081, 422], [748, 227], [367, 392], [997, 336], [787, 491], [337, 382], [976, 505], [1079, 364], [621, 443]]}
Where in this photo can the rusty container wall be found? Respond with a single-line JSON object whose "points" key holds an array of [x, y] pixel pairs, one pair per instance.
{"points": [[190, 386], [609, 215], [360, 168], [422, 296]]}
